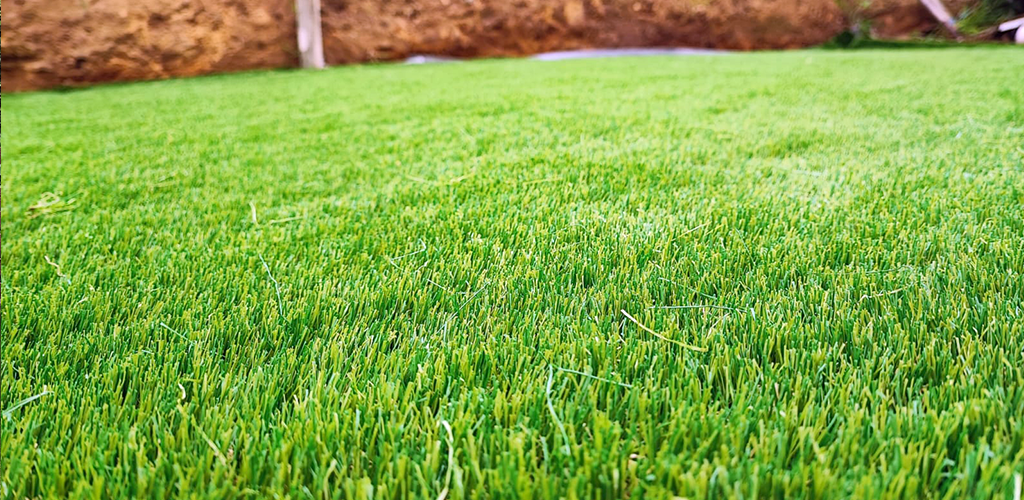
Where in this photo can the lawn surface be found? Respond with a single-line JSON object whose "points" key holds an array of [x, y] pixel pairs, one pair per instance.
{"points": [[762, 275]]}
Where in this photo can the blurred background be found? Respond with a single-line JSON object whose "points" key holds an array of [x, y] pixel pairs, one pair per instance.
{"points": [[57, 43]]}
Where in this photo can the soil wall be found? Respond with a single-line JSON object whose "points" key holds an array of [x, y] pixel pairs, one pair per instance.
{"points": [[51, 43]]}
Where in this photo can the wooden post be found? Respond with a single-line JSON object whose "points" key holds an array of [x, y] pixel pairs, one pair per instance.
{"points": [[311, 40], [942, 15]]}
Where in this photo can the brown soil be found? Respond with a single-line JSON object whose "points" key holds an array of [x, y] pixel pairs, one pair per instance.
{"points": [[76, 42], [360, 30], [49, 43]]}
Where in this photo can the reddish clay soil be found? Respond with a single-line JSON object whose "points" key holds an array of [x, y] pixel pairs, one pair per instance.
{"points": [[48, 43], [54, 43], [360, 30]]}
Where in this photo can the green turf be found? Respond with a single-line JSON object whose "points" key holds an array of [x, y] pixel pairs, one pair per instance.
{"points": [[397, 282]]}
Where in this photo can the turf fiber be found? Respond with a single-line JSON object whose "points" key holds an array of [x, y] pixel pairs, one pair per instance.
{"points": [[768, 275]]}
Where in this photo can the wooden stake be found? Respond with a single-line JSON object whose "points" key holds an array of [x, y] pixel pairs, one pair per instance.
{"points": [[939, 12], [310, 35]]}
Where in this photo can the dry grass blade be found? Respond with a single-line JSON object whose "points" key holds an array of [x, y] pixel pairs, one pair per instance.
{"points": [[50, 204], [660, 336], [277, 286], [451, 459], [287, 219], [594, 377], [57, 267], [10, 411], [252, 213], [554, 416]]}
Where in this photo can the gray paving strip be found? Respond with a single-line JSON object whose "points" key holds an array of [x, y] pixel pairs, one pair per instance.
{"points": [[633, 52], [587, 54], [428, 59]]}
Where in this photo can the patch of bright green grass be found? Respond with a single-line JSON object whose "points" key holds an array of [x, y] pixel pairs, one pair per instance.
{"points": [[784, 275]]}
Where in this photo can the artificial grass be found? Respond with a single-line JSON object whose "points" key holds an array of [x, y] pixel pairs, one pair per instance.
{"points": [[774, 275]]}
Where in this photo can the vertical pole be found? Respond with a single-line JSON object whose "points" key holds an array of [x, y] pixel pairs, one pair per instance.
{"points": [[942, 15], [311, 40]]}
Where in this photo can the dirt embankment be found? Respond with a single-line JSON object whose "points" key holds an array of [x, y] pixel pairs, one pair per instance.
{"points": [[359, 30], [76, 42], [48, 43]]}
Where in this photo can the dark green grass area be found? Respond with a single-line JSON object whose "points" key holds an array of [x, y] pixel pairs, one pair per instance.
{"points": [[774, 275]]}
